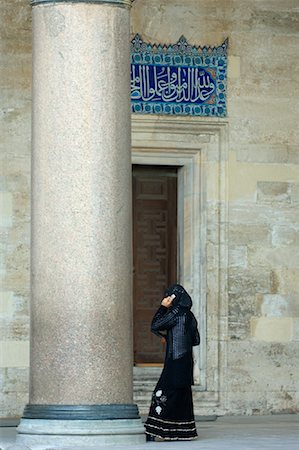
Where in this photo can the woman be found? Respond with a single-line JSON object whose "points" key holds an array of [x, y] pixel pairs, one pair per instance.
{"points": [[171, 414]]}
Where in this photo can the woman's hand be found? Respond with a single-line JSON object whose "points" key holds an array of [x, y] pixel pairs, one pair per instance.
{"points": [[167, 301]]}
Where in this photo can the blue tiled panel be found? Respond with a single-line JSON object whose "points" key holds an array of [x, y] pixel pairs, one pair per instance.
{"points": [[178, 79]]}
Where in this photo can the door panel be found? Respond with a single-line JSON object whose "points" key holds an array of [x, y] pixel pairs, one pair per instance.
{"points": [[154, 254]]}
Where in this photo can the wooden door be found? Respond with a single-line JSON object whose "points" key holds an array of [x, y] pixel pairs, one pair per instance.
{"points": [[154, 254]]}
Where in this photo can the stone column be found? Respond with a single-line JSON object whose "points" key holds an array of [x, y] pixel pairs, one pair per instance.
{"points": [[81, 315]]}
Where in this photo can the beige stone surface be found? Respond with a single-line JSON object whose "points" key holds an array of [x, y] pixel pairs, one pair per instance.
{"points": [[248, 375], [6, 303], [273, 191], [15, 106], [5, 209], [267, 183], [14, 390], [296, 329], [268, 153], [294, 188], [234, 67], [285, 235], [277, 305], [272, 329], [274, 359], [14, 354]]}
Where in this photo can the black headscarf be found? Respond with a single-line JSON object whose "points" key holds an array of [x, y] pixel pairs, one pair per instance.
{"points": [[183, 302], [182, 298]]}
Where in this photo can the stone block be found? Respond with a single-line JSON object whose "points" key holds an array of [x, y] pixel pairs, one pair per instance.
{"points": [[273, 191], [250, 181], [2, 379], [285, 235], [14, 353], [263, 153], [244, 403], [241, 306], [16, 72], [282, 21], [237, 256], [234, 66], [274, 282], [22, 207], [276, 257], [296, 329], [293, 154], [252, 213], [262, 366], [16, 24], [275, 401], [286, 280], [242, 234], [283, 401], [16, 379], [240, 310], [15, 328], [6, 209], [275, 305], [18, 257], [272, 329], [256, 122], [295, 193], [17, 173], [238, 329], [246, 283], [12, 404], [6, 303]]}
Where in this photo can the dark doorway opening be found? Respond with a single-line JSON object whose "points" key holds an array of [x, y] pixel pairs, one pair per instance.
{"points": [[154, 252]]}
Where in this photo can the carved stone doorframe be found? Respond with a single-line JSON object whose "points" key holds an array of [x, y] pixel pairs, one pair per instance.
{"points": [[199, 148]]}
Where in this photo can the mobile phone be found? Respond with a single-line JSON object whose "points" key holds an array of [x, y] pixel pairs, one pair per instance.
{"points": [[172, 296]]}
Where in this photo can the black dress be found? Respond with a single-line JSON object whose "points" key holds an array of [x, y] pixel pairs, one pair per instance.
{"points": [[171, 414]]}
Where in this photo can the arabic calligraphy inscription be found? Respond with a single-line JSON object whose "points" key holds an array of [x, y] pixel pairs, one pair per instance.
{"points": [[178, 79]]}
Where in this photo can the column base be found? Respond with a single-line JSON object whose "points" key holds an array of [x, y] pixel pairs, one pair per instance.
{"points": [[46, 434], [62, 426]]}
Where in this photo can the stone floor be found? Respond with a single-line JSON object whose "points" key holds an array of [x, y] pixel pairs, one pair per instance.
{"points": [[226, 433]]}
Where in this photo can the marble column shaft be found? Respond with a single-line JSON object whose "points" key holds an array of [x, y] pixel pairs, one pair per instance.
{"points": [[81, 343]]}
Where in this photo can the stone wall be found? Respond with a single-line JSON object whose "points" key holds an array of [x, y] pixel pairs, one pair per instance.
{"points": [[15, 105], [259, 367]]}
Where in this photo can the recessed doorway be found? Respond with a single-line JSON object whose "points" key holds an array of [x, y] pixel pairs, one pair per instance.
{"points": [[198, 148], [155, 252]]}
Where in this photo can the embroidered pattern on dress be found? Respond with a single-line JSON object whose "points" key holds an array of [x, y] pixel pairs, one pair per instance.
{"points": [[173, 429], [172, 439], [172, 421], [159, 401]]}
